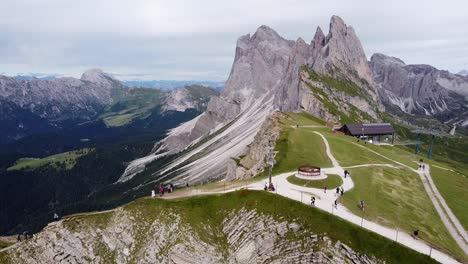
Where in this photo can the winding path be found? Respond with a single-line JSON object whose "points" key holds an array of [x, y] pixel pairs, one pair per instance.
{"points": [[325, 201], [450, 221]]}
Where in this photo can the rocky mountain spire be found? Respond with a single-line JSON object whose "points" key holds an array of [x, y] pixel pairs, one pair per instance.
{"points": [[342, 50], [265, 76]]}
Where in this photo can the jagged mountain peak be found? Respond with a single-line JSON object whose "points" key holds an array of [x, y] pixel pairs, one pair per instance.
{"points": [[463, 73], [265, 32], [341, 49], [319, 38], [388, 60], [337, 24], [265, 77], [98, 76]]}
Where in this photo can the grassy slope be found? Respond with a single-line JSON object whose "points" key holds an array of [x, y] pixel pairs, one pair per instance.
{"points": [[297, 147], [205, 214], [453, 186], [332, 181], [69, 158], [385, 187], [375, 184], [396, 198], [135, 103]]}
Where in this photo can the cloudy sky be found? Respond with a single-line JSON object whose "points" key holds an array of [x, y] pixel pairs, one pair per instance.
{"points": [[182, 40]]}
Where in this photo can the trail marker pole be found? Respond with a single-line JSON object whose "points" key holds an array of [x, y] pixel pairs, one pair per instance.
{"points": [[333, 207], [301, 197], [430, 251], [396, 238]]}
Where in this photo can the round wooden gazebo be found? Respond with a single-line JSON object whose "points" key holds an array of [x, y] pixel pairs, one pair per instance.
{"points": [[308, 171]]}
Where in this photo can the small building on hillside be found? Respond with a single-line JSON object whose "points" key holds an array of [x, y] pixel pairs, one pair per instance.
{"points": [[375, 132]]}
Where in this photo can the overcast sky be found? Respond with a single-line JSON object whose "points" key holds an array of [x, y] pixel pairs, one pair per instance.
{"points": [[183, 40]]}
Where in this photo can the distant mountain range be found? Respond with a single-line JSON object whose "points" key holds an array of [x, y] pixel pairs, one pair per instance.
{"points": [[421, 91], [159, 84], [173, 84], [31, 106]]}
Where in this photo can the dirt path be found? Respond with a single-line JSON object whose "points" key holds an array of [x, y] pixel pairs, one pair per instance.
{"points": [[442, 202], [450, 221], [325, 201]]}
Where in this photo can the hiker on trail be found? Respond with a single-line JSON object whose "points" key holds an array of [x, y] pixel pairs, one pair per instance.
{"points": [[361, 204], [19, 238], [325, 189], [424, 166], [336, 204], [346, 173], [161, 191], [266, 187], [172, 187], [56, 217], [153, 194], [342, 190], [420, 166], [416, 233], [312, 201], [272, 187]]}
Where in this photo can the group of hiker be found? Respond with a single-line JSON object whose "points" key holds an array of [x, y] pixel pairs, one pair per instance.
{"points": [[270, 187], [26, 236], [162, 190], [422, 165]]}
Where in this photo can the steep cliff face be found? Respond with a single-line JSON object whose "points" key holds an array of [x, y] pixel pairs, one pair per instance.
{"points": [[266, 76], [421, 89], [149, 231]]}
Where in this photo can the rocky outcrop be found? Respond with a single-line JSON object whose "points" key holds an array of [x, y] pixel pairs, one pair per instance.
{"points": [[265, 77], [125, 236], [421, 90], [341, 49], [256, 158]]}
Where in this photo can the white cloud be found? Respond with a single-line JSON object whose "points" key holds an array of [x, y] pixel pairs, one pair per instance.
{"points": [[196, 39]]}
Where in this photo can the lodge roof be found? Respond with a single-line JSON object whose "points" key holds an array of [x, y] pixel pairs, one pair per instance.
{"points": [[369, 129]]}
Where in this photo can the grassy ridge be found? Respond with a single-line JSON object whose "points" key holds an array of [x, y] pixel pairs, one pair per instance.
{"points": [[298, 147], [205, 215]]}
